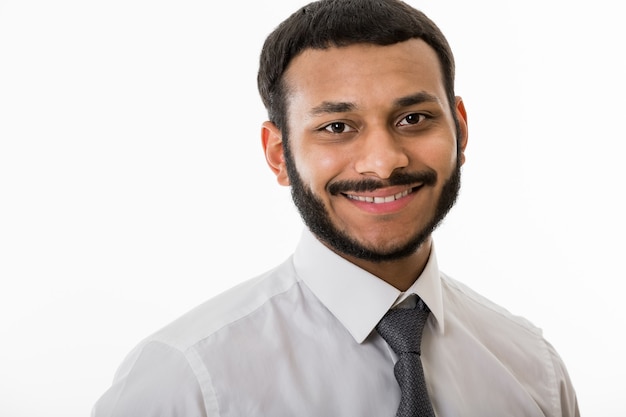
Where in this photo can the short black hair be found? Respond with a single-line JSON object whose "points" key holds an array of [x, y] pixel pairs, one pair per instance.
{"points": [[327, 23]]}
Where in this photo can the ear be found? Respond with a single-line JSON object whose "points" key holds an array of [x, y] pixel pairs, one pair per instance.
{"points": [[461, 115], [272, 140]]}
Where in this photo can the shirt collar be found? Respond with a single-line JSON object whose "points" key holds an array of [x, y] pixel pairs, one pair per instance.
{"points": [[355, 297]]}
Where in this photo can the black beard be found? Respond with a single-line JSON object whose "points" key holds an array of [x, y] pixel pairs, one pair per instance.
{"points": [[317, 219]]}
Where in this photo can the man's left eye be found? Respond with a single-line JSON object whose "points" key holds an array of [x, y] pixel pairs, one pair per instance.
{"points": [[412, 119]]}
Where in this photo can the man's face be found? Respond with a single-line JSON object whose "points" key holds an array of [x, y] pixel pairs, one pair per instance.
{"points": [[372, 154]]}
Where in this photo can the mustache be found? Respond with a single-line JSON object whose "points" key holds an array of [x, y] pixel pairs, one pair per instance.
{"points": [[427, 177]]}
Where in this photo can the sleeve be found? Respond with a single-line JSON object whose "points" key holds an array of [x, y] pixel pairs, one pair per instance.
{"points": [[155, 380]]}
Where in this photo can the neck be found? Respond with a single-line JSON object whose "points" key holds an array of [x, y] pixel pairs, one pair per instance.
{"points": [[401, 273]]}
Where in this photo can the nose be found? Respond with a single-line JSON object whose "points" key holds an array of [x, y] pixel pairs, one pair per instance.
{"points": [[380, 154]]}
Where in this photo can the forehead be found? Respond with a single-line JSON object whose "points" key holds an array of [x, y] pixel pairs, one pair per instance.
{"points": [[364, 74]]}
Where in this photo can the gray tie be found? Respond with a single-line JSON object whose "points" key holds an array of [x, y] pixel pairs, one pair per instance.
{"points": [[402, 330]]}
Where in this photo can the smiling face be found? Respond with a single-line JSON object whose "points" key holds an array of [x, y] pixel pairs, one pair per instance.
{"points": [[372, 155]]}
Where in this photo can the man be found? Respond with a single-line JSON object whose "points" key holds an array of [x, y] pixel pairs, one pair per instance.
{"points": [[367, 131]]}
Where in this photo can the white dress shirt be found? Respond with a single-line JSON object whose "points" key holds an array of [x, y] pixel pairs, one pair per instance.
{"points": [[300, 340]]}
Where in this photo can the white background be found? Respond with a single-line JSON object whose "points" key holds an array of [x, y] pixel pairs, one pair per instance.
{"points": [[133, 187]]}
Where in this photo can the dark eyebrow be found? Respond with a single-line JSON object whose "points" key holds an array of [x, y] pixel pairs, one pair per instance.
{"points": [[417, 98], [328, 107]]}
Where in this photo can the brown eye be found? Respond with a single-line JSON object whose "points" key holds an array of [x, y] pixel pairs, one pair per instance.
{"points": [[338, 127], [412, 119]]}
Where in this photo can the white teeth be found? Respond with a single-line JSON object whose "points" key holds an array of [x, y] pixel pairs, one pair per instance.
{"points": [[378, 200]]}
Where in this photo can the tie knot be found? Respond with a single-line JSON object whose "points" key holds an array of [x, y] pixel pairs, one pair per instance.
{"points": [[402, 328]]}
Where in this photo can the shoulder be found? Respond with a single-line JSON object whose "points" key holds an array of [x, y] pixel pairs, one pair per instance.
{"points": [[165, 374], [154, 380], [227, 307], [514, 342], [464, 302]]}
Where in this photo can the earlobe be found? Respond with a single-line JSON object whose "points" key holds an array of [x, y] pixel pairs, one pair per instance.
{"points": [[272, 141], [461, 115]]}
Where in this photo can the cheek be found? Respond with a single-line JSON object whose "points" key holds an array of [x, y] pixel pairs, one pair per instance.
{"points": [[440, 156], [452, 156], [318, 167]]}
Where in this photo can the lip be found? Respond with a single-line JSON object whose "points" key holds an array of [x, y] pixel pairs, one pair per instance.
{"points": [[384, 201]]}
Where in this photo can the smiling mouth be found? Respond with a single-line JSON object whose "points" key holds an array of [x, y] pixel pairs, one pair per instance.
{"points": [[381, 200]]}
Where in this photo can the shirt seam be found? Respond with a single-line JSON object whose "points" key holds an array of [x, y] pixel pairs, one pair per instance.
{"points": [[205, 382], [242, 316], [554, 383], [195, 362], [168, 346]]}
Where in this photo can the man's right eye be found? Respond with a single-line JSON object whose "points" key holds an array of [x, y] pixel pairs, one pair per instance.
{"points": [[338, 127]]}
